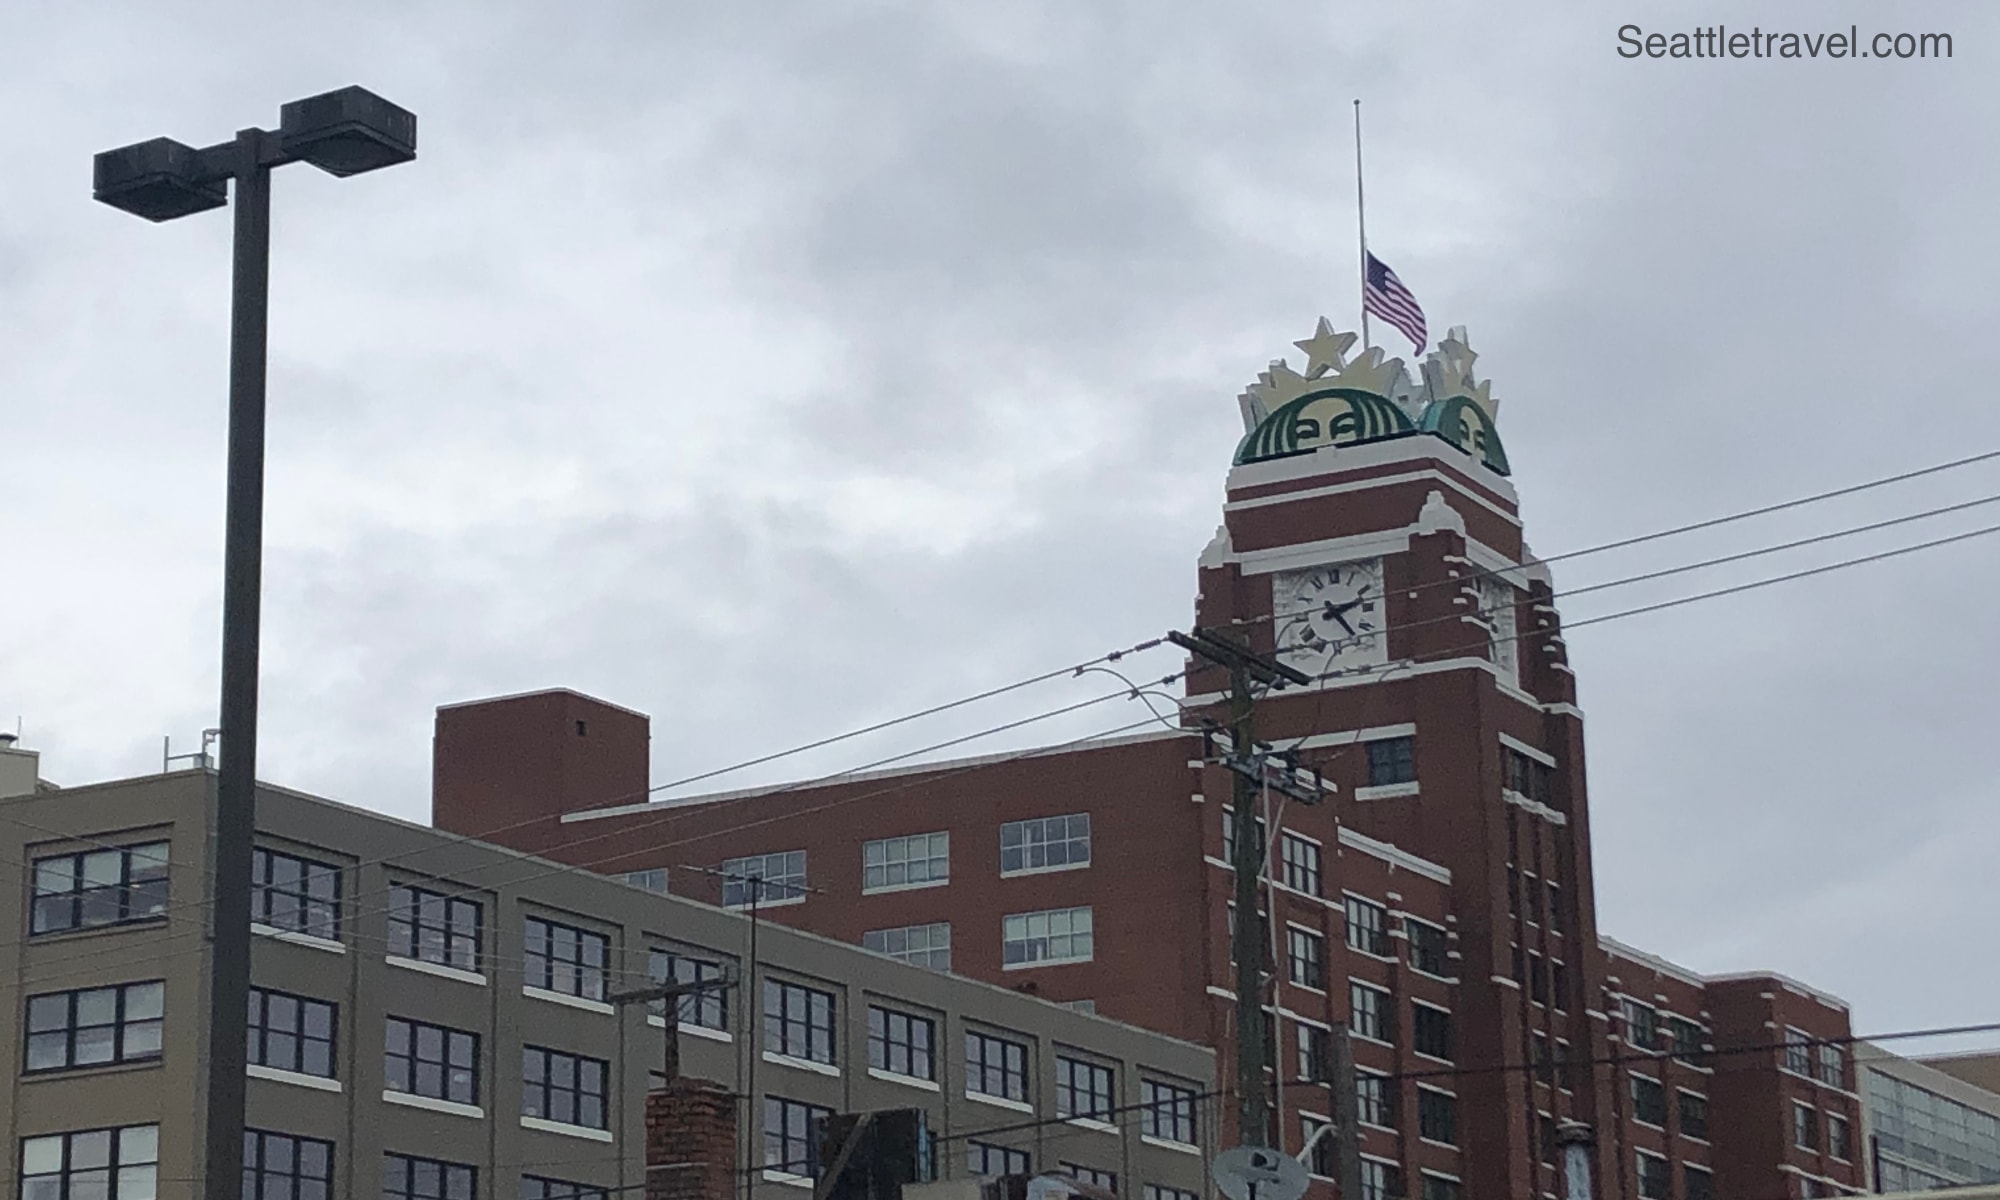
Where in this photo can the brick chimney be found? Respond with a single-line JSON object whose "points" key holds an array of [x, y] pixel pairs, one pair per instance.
{"points": [[691, 1141]]}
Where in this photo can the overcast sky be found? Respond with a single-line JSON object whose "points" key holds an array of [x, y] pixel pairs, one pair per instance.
{"points": [[774, 369]]}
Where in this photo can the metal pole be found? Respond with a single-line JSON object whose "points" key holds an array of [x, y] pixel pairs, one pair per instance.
{"points": [[1253, 1117], [1361, 225], [242, 585], [1346, 1113]]}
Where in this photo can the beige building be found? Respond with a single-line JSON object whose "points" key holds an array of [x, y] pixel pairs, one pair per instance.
{"points": [[431, 1019], [1927, 1124]]}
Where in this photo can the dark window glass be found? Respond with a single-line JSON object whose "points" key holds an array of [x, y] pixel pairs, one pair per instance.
{"points": [[1300, 859], [1538, 979], [1805, 1126], [987, 1160], [1697, 1184], [1649, 1100], [995, 1066], [431, 1060], [1653, 1177], [291, 1033], [99, 887], [93, 1027], [1688, 1039], [1530, 778], [1045, 843], [295, 894], [1315, 1054], [92, 1164], [764, 878], [1305, 953], [1374, 1099], [1083, 1089], [1430, 1031], [1437, 1187], [408, 1178], [1381, 1180], [1369, 1014], [798, 1021], [1159, 1191], [280, 1166], [1642, 1026], [902, 1043], [1367, 927], [1437, 1116], [432, 927], [1837, 1143], [1429, 948], [1694, 1115], [1094, 1176], [707, 1009], [567, 1088], [1168, 1113], [1392, 760], [791, 1136], [564, 959], [535, 1187]]}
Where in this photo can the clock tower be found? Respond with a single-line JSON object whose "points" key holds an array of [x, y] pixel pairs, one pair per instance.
{"points": [[1372, 539]]}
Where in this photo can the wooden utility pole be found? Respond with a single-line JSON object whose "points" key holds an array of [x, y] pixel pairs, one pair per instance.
{"points": [[671, 992], [1247, 942], [1346, 1114]]}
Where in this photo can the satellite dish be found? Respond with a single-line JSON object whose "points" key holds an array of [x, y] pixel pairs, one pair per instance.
{"points": [[1259, 1173]]}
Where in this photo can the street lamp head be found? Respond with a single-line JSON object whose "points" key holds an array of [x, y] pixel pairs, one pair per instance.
{"points": [[158, 180], [348, 131]]}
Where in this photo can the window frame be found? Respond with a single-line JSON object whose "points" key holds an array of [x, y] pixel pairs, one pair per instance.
{"points": [[254, 1159], [259, 1048], [1439, 1017], [447, 1174], [893, 1032], [1380, 1012], [1442, 1107], [1416, 930], [1011, 1157], [740, 883], [696, 1010], [1391, 760], [1033, 837], [1076, 1076], [134, 903], [1699, 1112], [1299, 861], [980, 1070], [542, 968], [910, 954], [1375, 1093], [265, 894], [1172, 1107], [144, 1171], [1028, 940], [801, 1035], [120, 1026], [438, 941], [1805, 1127], [1640, 1179], [548, 1093], [1654, 1092], [784, 1109], [936, 850], [1373, 940], [1305, 958], [410, 1052], [544, 1187]]}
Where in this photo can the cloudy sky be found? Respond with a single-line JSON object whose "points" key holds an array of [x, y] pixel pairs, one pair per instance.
{"points": [[774, 369]]}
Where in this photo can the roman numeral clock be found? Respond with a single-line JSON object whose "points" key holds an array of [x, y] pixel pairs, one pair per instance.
{"points": [[1331, 618]]}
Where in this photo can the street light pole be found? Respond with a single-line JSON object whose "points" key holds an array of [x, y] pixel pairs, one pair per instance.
{"points": [[343, 132]]}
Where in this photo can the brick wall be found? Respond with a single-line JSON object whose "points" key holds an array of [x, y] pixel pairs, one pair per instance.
{"points": [[691, 1141]]}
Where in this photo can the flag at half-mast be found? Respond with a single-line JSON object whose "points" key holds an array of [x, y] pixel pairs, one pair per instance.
{"points": [[1384, 295]]}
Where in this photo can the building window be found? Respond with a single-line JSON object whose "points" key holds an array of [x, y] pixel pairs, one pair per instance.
{"points": [[1229, 836], [1437, 1116], [431, 1060], [1429, 951], [431, 927], [295, 894], [1653, 1177], [1168, 1113], [1538, 979], [101, 887], [987, 1160], [1687, 1038], [1837, 1143], [1325, 1158], [1832, 1066], [1547, 1143], [535, 1187], [564, 959], [1083, 1089], [919, 860], [1392, 760], [1694, 1115], [1367, 927], [93, 1164], [995, 1066], [92, 1027], [1045, 844], [1300, 861], [1306, 953], [291, 1033], [1530, 778], [707, 1009], [566, 1088], [1440, 1187], [919, 945], [1381, 1180], [1555, 907], [763, 878], [901, 1043], [283, 1167], [1369, 1012], [1642, 1025], [1108, 1180], [652, 879], [1565, 1067], [1056, 936], [1696, 1183], [1374, 1100], [1805, 1126], [1315, 1054], [405, 1177], [798, 1021], [1649, 1101], [1430, 1031], [1157, 1191], [791, 1136], [1798, 1052]]}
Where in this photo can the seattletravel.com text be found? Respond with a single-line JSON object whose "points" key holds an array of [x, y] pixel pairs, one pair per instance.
{"points": [[1719, 41]]}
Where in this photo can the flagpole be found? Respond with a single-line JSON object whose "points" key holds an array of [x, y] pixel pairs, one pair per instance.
{"points": [[1361, 223]]}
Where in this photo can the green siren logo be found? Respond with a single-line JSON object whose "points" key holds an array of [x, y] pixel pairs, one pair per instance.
{"points": [[1371, 399]]}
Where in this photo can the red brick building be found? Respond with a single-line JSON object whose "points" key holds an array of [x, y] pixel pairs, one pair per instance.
{"points": [[1439, 902]]}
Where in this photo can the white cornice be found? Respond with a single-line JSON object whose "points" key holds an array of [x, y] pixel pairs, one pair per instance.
{"points": [[1358, 485], [1333, 460], [1393, 856]]}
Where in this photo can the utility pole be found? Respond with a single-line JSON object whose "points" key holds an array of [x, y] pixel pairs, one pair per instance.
{"points": [[671, 992], [1245, 667], [1346, 1115]]}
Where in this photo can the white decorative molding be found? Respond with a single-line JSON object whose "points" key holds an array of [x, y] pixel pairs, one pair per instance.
{"points": [[803, 1064], [1322, 552], [1346, 737], [700, 1031], [1219, 550], [1437, 516], [1393, 856], [438, 969], [298, 939], [295, 1078], [1541, 756], [906, 1080], [1387, 791], [564, 998], [1536, 807], [1164, 1144], [1020, 1106], [565, 1129], [412, 1100]]}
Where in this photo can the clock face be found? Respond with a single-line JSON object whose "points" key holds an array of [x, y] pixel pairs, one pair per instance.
{"points": [[1496, 606], [1331, 618]]}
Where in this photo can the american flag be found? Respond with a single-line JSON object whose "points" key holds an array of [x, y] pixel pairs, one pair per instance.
{"points": [[1384, 295]]}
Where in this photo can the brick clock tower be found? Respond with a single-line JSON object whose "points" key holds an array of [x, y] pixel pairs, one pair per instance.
{"points": [[1393, 572]]}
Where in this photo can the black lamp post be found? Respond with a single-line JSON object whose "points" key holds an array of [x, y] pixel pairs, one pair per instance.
{"points": [[342, 133]]}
